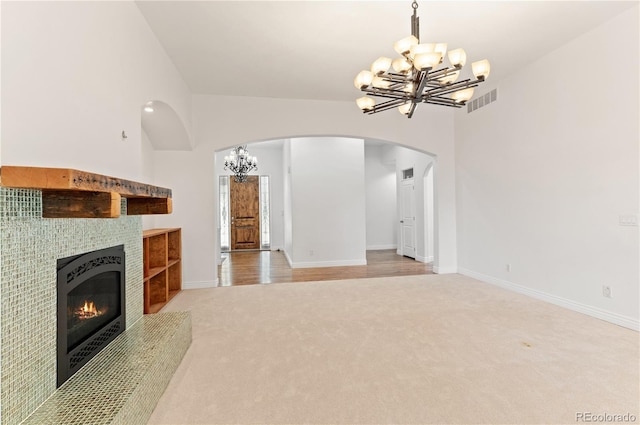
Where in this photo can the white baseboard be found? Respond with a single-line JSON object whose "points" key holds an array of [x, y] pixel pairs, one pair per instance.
{"points": [[444, 270], [309, 264], [381, 247], [424, 259], [200, 285], [286, 255], [618, 319]]}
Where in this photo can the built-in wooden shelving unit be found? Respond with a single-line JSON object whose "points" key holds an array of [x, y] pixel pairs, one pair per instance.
{"points": [[162, 254], [68, 193]]}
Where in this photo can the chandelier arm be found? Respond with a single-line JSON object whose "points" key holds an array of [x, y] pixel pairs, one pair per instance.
{"points": [[399, 85], [444, 71], [391, 103], [440, 99], [412, 109], [443, 102], [386, 105], [442, 92], [393, 86], [423, 79], [449, 89], [433, 85], [391, 76], [398, 94], [391, 98]]}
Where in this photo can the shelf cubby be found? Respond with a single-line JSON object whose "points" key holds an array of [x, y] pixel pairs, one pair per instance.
{"points": [[162, 257]]}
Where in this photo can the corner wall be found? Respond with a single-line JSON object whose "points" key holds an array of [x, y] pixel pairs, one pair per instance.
{"points": [[545, 172], [380, 184]]}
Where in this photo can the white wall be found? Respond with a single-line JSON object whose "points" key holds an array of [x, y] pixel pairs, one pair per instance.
{"points": [[544, 173], [328, 202], [147, 173], [192, 179], [74, 76], [221, 122], [380, 186]]}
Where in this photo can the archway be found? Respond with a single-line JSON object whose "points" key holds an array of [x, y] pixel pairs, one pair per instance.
{"points": [[424, 166]]}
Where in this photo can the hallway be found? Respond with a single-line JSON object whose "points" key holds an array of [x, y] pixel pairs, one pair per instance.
{"points": [[263, 267]]}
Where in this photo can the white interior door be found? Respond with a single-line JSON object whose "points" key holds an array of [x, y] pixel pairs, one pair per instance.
{"points": [[408, 219]]}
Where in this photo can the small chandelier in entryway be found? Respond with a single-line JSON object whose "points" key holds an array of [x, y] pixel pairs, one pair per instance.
{"points": [[418, 76], [240, 163]]}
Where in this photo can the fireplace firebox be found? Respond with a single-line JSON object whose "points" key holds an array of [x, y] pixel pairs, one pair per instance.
{"points": [[91, 306]]}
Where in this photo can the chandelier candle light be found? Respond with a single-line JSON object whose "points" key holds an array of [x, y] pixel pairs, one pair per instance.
{"points": [[240, 163], [417, 76]]}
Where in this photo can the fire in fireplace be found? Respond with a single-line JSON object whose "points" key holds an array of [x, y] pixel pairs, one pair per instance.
{"points": [[91, 306]]}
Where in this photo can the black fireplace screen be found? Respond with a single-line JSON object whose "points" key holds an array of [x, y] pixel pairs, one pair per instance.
{"points": [[91, 306]]}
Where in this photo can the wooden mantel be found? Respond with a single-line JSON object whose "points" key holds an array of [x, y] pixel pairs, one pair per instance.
{"points": [[68, 193]]}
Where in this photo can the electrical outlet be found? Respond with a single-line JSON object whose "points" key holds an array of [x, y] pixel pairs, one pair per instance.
{"points": [[606, 291]]}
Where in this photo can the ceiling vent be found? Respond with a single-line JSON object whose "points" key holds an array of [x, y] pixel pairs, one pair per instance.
{"points": [[482, 101]]}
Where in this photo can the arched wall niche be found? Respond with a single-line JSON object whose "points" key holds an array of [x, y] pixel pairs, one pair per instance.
{"points": [[164, 127]]}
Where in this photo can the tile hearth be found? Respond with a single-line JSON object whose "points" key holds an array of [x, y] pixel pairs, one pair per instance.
{"points": [[123, 383]]}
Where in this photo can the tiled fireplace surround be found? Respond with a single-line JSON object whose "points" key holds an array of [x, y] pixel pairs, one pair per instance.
{"points": [[29, 249]]}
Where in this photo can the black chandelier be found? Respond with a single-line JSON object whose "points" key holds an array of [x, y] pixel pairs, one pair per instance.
{"points": [[240, 163], [417, 77]]}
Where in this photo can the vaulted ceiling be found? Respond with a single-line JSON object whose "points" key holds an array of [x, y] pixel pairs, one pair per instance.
{"points": [[313, 49]]}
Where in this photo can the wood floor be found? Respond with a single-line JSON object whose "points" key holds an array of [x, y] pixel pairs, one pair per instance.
{"points": [[262, 267]]}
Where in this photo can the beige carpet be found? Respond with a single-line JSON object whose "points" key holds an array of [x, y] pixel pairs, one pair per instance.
{"points": [[407, 350]]}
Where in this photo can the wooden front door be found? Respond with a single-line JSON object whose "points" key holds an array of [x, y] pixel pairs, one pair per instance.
{"points": [[245, 213]]}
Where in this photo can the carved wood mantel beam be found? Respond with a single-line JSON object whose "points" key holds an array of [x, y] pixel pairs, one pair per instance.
{"points": [[68, 179], [146, 206], [79, 194], [80, 204]]}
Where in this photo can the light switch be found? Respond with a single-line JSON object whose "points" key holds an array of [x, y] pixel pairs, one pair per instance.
{"points": [[629, 220]]}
